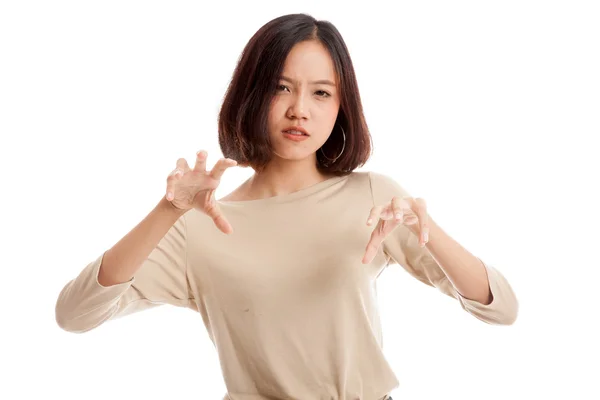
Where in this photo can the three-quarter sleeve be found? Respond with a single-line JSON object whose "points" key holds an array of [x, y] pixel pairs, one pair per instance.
{"points": [[402, 247], [84, 304]]}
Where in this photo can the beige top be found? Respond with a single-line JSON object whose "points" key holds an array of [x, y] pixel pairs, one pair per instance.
{"points": [[286, 300]]}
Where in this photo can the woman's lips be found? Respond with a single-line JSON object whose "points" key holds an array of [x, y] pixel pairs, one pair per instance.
{"points": [[295, 137]]}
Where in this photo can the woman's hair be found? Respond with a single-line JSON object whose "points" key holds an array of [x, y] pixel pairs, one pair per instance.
{"points": [[243, 118]]}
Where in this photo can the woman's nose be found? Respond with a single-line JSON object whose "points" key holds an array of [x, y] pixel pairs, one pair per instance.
{"points": [[298, 108]]}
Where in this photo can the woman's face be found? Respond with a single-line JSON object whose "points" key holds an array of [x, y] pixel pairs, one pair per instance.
{"points": [[306, 96]]}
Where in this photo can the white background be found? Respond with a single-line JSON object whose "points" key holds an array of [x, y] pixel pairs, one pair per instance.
{"points": [[488, 110]]}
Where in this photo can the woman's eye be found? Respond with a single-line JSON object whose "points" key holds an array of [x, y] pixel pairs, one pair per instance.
{"points": [[320, 93]]}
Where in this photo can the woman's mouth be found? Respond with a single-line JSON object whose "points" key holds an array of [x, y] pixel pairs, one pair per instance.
{"points": [[295, 135]]}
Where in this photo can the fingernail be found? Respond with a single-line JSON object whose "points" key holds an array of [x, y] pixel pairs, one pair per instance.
{"points": [[369, 221], [398, 216], [426, 237]]}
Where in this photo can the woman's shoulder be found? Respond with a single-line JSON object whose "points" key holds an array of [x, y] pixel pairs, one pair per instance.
{"points": [[383, 185], [373, 178]]}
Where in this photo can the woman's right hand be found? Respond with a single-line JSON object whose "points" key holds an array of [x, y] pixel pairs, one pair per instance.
{"points": [[195, 188]]}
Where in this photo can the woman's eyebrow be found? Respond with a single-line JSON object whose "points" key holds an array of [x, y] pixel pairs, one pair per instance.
{"points": [[322, 81]]}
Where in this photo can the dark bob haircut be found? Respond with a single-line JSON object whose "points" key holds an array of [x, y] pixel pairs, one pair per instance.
{"points": [[243, 118]]}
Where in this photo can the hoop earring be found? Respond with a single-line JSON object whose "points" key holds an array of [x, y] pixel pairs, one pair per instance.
{"points": [[343, 147]]}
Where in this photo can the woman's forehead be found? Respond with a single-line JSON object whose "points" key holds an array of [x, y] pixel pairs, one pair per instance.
{"points": [[309, 62]]}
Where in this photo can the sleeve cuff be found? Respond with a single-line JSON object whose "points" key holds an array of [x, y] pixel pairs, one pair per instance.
{"points": [[503, 309], [84, 303], [96, 271]]}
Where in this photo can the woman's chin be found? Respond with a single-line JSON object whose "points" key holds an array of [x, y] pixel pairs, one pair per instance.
{"points": [[297, 155]]}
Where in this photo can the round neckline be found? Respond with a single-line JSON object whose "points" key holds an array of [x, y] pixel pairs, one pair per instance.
{"points": [[307, 191]]}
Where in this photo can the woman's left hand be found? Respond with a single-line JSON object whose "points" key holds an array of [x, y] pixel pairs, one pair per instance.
{"points": [[408, 211]]}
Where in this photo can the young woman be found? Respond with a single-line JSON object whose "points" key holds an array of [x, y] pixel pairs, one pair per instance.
{"points": [[283, 270]]}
